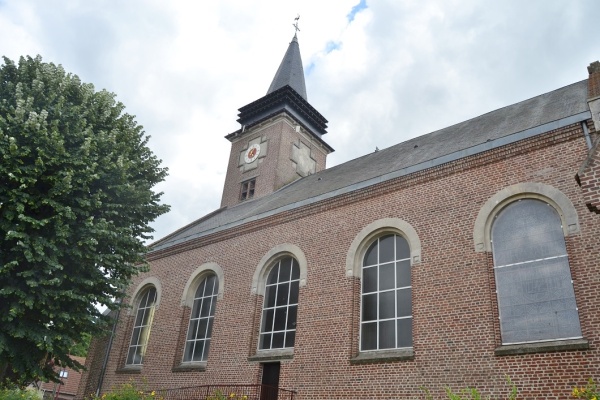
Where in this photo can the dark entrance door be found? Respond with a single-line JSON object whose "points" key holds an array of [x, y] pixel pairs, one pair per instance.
{"points": [[270, 381]]}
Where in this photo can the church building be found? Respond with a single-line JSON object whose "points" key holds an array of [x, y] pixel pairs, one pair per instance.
{"points": [[454, 259]]}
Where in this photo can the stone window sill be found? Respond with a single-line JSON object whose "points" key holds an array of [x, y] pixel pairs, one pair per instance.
{"points": [[542, 347], [190, 366], [272, 355], [382, 356], [130, 369]]}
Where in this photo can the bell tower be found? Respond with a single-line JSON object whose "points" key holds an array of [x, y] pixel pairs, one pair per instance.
{"points": [[280, 138]]}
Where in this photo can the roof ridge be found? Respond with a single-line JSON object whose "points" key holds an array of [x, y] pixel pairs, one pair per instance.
{"points": [[421, 136]]}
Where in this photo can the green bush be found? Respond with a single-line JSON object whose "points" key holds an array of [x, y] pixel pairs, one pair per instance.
{"points": [[19, 394], [219, 395], [128, 391], [589, 392], [473, 393]]}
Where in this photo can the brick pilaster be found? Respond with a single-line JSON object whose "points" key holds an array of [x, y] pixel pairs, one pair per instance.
{"points": [[588, 178]]}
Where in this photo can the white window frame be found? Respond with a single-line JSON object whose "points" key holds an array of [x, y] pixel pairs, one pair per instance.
{"points": [[143, 334], [378, 291], [276, 285], [198, 303]]}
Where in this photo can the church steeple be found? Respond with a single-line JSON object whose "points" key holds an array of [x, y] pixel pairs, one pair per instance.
{"points": [[280, 139], [290, 71]]}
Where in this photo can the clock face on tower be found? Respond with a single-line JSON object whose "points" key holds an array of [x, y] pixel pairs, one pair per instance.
{"points": [[252, 153]]}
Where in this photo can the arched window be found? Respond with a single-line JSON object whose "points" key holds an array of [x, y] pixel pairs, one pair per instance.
{"points": [[201, 320], [536, 300], [386, 302], [141, 326], [280, 307]]}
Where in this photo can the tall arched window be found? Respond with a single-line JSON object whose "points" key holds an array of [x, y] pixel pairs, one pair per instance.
{"points": [[536, 300], [201, 320], [280, 307], [386, 302], [141, 326]]}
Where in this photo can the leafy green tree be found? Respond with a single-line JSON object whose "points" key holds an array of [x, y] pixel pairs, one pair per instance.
{"points": [[80, 348], [76, 200]]}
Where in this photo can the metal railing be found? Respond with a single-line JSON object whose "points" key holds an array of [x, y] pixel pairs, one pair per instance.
{"points": [[226, 392]]}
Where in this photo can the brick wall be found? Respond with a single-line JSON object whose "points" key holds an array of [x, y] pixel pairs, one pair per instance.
{"points": [[70, 381], [594, 80], [93, 367], [455, 316], [588, 178], [274, 171]]}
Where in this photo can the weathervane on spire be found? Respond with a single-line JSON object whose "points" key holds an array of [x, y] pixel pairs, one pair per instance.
{"points": [[296, 24]]}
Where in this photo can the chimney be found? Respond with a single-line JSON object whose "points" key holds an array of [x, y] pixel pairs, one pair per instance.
{"points": [[594, 80], [594, 93]]}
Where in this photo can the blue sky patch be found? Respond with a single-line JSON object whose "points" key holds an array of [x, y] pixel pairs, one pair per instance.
{"points": [[331, 46], [356, 9]]}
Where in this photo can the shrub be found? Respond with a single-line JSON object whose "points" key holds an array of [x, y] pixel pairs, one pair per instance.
{"points": [[128, 391], [19, 394], [219, 395], [589, 392], [473, 393]]}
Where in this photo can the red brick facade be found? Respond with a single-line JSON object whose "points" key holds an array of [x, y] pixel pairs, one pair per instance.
{"points": [[594, 80], [589, 174], [589, 178], [68, 387], [277, 137], [93, 367], [455, 330], [445, 213]]}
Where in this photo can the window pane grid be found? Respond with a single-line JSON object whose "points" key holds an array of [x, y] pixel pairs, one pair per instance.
{"points": [[381, 288], [247, 191], [387, 262], [141, 328], [200, 327], [278, 326]]}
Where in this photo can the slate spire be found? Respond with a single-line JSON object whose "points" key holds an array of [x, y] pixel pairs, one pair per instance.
{"points": [[290, 71]]}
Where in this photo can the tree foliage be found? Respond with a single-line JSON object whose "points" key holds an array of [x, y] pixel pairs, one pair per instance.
{"points": [[76, 200], [80, 348]]}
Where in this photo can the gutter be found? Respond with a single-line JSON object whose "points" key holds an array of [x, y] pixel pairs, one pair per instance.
{"points": [[586, 133], [107, 352]]}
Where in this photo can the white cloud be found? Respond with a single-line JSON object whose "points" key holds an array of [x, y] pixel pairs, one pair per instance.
{"points": [[399, 69]]}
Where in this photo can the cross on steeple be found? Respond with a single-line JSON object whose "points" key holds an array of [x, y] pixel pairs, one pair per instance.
{"points": [[280, 126], [290, 71], [295, 24]]}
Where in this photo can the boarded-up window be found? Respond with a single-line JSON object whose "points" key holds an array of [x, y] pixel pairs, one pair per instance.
{"points": [[536, 300]]}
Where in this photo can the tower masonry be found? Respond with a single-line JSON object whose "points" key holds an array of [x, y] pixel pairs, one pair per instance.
{"points": [[280, 139]]}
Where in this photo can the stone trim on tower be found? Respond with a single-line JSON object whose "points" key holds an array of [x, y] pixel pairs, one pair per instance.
{"points": [[280, 138]]}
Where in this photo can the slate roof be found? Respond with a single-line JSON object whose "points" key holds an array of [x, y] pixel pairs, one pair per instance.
{"points": [[287, 93], [528, 118], [283, 99], [290, 71]]}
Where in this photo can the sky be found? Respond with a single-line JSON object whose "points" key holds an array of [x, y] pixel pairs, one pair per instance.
{"points": [[380, 71]]}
